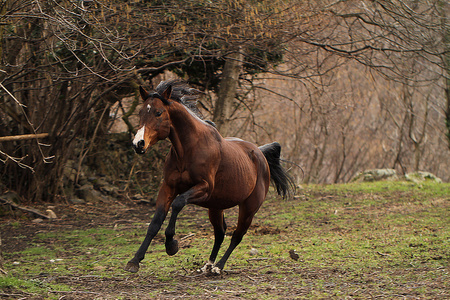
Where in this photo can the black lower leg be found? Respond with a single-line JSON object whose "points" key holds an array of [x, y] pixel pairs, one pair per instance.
{"points": [[153, 228], [219, 235], [171, 243], [235, 240]]}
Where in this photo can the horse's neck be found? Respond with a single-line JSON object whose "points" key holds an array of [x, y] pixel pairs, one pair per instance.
{"points": [[184, 131]]}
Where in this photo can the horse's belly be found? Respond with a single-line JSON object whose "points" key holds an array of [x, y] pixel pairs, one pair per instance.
{"points": [[228, 199], [233, 186]]}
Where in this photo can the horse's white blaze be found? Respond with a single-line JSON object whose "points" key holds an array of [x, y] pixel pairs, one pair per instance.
{"points": [[149, 107], [139, 135]]}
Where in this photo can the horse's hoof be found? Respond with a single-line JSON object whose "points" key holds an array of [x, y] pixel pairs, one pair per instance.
{"points": [[206, 268], [216, 271], [132, 267], [172, 247]]}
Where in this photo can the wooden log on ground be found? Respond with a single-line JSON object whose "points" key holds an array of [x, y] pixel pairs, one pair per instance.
{"points": [[23, 137], [33, 211]]}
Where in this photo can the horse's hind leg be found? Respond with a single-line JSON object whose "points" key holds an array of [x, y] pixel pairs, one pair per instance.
{"points": [[247, 211], [217, 220]]}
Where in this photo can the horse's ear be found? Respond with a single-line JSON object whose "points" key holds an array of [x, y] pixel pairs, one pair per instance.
{"points": [[167, 93], [144, 93]]}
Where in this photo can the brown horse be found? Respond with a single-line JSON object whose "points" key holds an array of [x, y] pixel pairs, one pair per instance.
{"points": [[203, 168]]}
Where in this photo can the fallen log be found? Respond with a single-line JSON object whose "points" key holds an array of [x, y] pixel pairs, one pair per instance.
{"points": [[23, 137], [26, 209]]}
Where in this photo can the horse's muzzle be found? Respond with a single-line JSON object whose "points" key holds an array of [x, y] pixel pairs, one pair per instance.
{"points": [[139, 147]]}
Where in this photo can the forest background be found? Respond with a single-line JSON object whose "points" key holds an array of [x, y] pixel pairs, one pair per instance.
{"points": [[344, 86]]}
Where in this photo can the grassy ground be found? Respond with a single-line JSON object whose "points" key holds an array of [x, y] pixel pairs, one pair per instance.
{"points": [[356, 241]]}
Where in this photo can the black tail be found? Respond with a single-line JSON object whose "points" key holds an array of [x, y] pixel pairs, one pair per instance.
{"points": [[279, 177]]}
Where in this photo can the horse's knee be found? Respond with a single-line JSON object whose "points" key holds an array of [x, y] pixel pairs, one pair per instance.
{"points": [[178, 204]]}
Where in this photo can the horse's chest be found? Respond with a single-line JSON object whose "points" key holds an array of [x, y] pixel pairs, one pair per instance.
{"points": [[179, 180]]}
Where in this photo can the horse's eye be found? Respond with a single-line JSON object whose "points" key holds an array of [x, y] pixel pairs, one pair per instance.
{"points": [[158, 113]]}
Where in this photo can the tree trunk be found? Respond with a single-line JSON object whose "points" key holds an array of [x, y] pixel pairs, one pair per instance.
{"points": [[227, 92], [2, 272], [447, 112], [444, 7], [447, 82], [447, 88]]}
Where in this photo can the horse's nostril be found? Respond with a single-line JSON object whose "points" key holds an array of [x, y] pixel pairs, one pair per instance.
{"points": [[139, 147]]}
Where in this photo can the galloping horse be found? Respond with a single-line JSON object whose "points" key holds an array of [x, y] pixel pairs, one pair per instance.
{"points": [[203, 168]]}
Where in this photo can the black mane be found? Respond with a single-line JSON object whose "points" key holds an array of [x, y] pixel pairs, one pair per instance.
{"points": [[182, 93]]}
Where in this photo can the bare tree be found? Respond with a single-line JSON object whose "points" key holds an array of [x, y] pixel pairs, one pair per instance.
{"points": [[227, 91], [64, 63]]}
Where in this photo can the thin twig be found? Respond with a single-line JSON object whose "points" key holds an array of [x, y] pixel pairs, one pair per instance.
{"points": [[187, 236], [75, 292], [91, 143], [11, 95], [257, 259], [16, 160]]}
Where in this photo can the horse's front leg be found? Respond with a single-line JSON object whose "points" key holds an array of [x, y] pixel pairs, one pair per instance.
{"points": [[196, 194], [162, 206]]}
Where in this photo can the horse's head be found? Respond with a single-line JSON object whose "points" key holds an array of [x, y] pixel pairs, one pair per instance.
{"points": [[154, 124]]}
